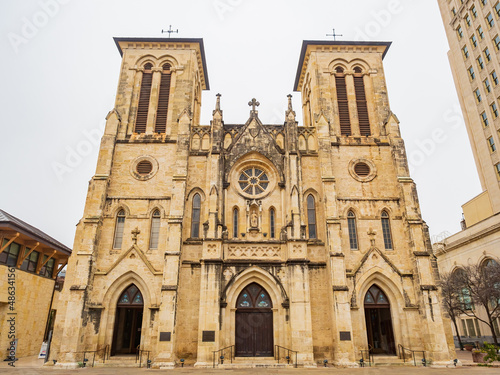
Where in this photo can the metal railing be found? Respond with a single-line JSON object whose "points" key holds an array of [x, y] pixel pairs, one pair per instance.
{"points": [[105, 354], [221, 356], [277, 349], [367, 354], [138, 356], [402, 353]]}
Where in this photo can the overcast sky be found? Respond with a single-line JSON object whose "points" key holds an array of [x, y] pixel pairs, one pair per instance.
{"points": [[59, 72]]}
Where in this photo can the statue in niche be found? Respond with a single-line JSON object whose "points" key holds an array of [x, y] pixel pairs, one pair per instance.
{"points": [[254, 220]]}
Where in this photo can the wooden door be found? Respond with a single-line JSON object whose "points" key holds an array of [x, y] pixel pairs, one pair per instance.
{"points": [[254, 323], [254, 334]]}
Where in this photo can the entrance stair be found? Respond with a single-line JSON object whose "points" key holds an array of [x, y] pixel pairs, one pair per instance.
{"points": [[382, 360], [254, 362], [119, 361]]}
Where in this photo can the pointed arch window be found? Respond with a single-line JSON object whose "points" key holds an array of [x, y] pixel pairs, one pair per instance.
{"points": [[272, 223], [311, 216], [386, 231], [375, 297], [359, 88], [144, 96], [353, 235], [155, 230], [254, 297], [119, 226], [131, 297], [343, 104], [236, 218], [163, 98], [195, 216]]}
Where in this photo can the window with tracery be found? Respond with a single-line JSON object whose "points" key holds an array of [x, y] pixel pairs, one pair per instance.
{"points": [[353, 235], [131, 296], [254, 297], [311, 216], [253, 181], [195, 216], [375, 296], [119, 226]]}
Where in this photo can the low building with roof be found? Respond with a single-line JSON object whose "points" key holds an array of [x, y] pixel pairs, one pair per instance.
{"points": [[30, 262]]}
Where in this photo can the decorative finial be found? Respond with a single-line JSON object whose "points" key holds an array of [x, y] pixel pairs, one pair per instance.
{"points": [[169, 31], [289, 96], [253, 103], [334, 35], [135, 232], [217, 103]]}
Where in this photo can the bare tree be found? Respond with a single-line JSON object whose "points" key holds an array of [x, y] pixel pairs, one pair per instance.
{"points": [[451, 302], [479, 286]]}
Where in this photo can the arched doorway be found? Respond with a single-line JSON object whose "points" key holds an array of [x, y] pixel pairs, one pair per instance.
{"points": [[254, 323], [379, 322], [128, 321]]}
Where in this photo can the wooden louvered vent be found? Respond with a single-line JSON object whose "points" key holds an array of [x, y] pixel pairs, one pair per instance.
{"points": [[144, 167], [163, 96], [144, 95], [362, 169], [345, 121], [364, 120]]}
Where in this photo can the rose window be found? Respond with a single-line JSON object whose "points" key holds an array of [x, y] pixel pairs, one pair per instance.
{"points": [[253, 181]]}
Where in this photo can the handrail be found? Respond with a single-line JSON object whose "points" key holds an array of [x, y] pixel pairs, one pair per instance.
{"points": [[370, 355], [402, 354], [277, 354], [138, 355], [222, 355], [105, 353]]}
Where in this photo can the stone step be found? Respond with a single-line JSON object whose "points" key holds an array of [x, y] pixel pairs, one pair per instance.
{"points": [[119, 361], [240, 365]]}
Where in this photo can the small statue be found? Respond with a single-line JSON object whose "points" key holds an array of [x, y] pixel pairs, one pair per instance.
{"points": [[254, 221]]}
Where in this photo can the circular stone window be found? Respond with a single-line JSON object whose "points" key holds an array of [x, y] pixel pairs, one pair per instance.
{"points": [[143, 168], [363, 170], [253, 181]]}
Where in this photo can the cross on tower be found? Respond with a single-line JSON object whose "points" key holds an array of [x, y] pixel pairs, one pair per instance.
{"points": [[169, 31], [135, 232], [253, 103], [334, 35]]}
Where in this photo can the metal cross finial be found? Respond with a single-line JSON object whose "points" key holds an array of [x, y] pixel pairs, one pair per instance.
{"points": [[253, 103], [135, 232], [169, 31], [334, 35]]}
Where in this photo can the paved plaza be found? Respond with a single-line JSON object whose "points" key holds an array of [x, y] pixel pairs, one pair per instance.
{"points": [[33, 365]]}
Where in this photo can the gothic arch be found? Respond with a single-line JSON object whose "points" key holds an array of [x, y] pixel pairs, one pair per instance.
{"points": [[118, 208], [355, 210], [167, 59], [158, 207], [258, 275], [193, 191], [338, 63], [393, 293], [121, 283], [359, 63], [144, 60]]}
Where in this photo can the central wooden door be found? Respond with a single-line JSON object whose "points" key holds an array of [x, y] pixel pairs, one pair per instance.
{"points": [[254, 323], [128, 322], [379, 322]]}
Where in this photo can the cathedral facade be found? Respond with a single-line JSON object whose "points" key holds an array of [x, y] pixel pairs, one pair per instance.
{"points": [[253, 237]]}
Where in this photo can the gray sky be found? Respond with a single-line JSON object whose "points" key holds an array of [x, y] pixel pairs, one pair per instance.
{"points": [[59, 72]]}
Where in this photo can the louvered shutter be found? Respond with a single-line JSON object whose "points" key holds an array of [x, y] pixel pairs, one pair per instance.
{"points": [[163, 97], [345, 121], [364, 121], [144, 95]]}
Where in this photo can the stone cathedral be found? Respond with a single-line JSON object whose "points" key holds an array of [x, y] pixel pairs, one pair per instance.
{"points": [[254, 237]]}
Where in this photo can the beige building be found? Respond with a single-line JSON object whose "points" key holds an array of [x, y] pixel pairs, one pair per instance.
{"points": [[30, 261], [251, 236], [473, 31]]}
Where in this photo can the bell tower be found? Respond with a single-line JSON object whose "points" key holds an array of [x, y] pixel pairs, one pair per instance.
{"points": [[130, 232]]}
